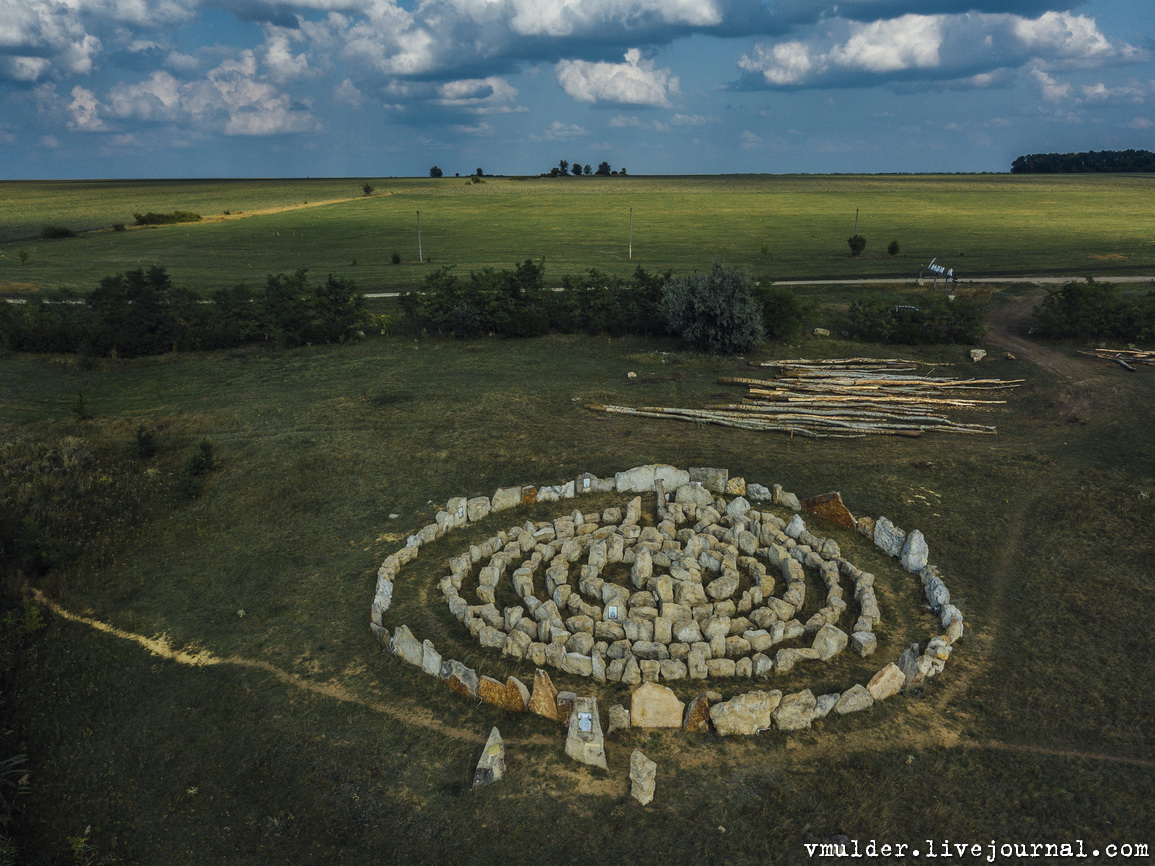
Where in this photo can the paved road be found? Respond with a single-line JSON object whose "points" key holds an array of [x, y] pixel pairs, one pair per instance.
{"points": [[899, 281]]}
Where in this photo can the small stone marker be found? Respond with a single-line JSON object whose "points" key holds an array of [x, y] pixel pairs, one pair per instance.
{"points": [[619, 718], [584, 741], [491, 766], [643, 777]]}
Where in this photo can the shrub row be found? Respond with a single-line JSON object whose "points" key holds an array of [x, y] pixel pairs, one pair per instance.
{"points": [[516, 303], [142, 313], [933, 320], [1091, 309], [166, 219]]}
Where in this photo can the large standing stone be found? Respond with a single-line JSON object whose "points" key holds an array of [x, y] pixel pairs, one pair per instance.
{"points": [[888, 681], [505, 497], [693, 494], [430, 659], [584, 741], [491, 691], [795, 527], [382, 598], [406, 647], [458, 677], [491, 767], [829, 641], [914, 552], [888, 537], [745, 714], [854, 699], [714, 480], [796, 711], [643, 777], [829, 506], [908, 664], [477, 508], [641, 479], [655, 706], [543, 700]]}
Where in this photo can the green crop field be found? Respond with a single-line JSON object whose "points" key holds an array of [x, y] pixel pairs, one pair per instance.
{"points": [[780, 227], [303, 741]]}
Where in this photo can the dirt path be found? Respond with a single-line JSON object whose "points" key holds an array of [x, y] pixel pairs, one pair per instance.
{"points": [[1085, 381]]}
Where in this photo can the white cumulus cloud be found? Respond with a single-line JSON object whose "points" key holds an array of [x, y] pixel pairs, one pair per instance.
{"points": [[635, 82], [969, 48], [234, 98]]}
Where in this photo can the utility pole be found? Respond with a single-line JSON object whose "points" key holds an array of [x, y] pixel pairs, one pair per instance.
{"points": [[856, 220], [631, 254], [420, 257]]}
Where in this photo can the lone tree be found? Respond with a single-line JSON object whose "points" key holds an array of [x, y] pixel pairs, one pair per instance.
{"points": [[893, 248], [715, 312], [367, 189], [435, 172], [857, 244]]}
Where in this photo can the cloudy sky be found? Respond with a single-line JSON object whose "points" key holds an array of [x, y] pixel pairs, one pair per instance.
{"points": [[186, 88]]}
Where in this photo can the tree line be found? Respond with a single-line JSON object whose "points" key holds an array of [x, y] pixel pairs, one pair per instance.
{"points": [[1092, 161], [142, 312]]}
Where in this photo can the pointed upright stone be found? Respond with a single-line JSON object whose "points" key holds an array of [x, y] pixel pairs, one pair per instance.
{"points": [[643, 777], [491, 767], [543, 701], [584, 741], [697, 715], [517, 695]]}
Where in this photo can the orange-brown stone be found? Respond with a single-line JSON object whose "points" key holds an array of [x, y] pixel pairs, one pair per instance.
{"points": [[829, 506], [565, 702], [517, 695], [528, 495], [697, 717], [543, 701], [511, 695], [491, 691]]}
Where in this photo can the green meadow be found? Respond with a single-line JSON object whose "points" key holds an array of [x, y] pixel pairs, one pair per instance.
{"points": [[187, 671], [779, 227]]}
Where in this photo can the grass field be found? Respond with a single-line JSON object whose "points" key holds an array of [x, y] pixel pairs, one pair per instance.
{"points": [[778, 226], [306, 743]]}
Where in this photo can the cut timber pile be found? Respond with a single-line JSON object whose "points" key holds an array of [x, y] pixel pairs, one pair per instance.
{"points": [[1123, 357], [843, 399]]}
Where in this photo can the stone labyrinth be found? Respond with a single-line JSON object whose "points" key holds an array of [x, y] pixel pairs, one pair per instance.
{"points": [[713, 592]]}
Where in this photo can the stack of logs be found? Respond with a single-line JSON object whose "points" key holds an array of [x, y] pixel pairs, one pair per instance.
{"points": [[1123, 357], [845, 398]]}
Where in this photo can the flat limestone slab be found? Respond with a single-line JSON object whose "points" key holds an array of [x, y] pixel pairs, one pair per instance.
{"points": [[655, 706]]}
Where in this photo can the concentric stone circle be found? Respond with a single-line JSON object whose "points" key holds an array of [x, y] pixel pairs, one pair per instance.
{"points": [[708, 593]]}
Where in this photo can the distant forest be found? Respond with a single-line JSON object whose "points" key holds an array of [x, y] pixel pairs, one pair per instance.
{"points": [[1096, 160]]}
